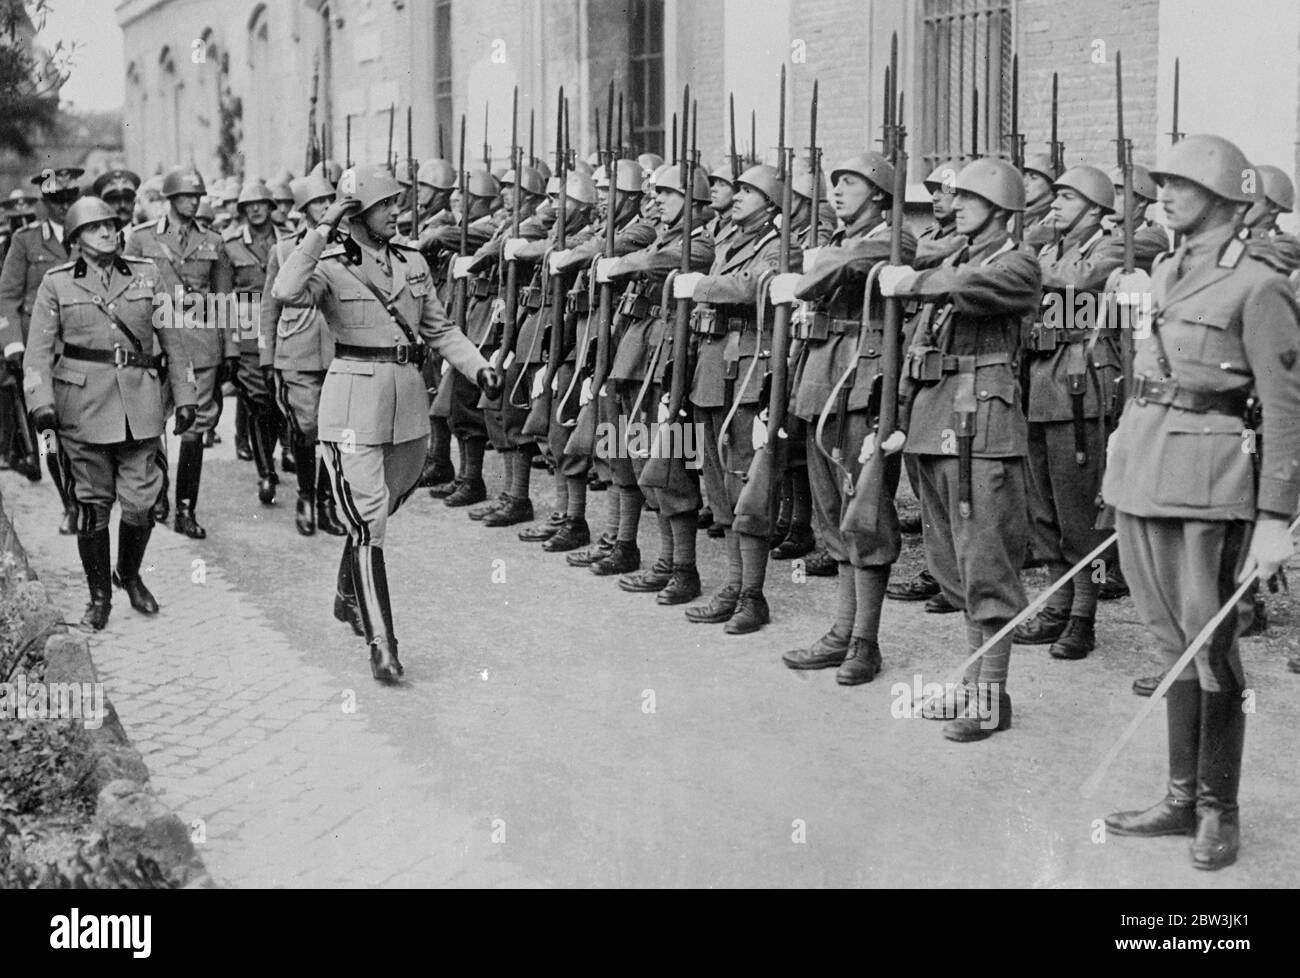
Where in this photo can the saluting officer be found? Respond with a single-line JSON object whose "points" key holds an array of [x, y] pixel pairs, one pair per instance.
{"points": [[379, 302], [33, 251], [249, 245], [1195, 513], [967, 425], [727, 388], [838, 344], [104, 396], [296, 345], [1074, 372], [196, 271]]}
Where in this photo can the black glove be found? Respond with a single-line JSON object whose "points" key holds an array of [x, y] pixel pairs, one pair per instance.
{"points": [[43, 419], [489, 382], [268, 377], [229, 369], [14, 363], [185, 415]]}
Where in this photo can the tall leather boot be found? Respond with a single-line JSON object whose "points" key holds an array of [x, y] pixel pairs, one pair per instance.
{"points": [[189, 469], [261, 437], [327, 517], [131, 543], [305, 469], [95, 561], [1175, 814], [243, 445], [1218, 775], [162, 508], [345, 593], [371, 581]]}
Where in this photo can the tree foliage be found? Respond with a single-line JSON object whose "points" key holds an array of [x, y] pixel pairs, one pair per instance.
{"points": [[30, 77]]}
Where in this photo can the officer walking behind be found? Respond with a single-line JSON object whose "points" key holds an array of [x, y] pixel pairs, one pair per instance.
{"points": [[104, 396], [968, 428], [374, 412], [249, 245], [296, 347], [194, 265], [117, 189], [1195, 513]]}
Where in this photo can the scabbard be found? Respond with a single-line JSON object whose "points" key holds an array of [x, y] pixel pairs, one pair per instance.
{"points": [[964, 405], [1077, 384]]}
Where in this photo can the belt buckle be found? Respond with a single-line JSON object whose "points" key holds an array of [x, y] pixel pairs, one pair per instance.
{"points": [[403, 354], [121, 358]]}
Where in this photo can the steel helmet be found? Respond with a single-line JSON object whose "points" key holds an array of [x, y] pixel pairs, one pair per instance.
{"points": [[1143, 185], [943, 175], [402, 171], [658, 173], [254, 191], [542, 167], [765, 180], [480, 183], [722, 173], [22, 204], [579, 187], [115, 181], [872, 167], [307, 189], [438, 174], [280, 191], [650, 161], [996, 181], [600, 177], [582, 166], [1210, 162], [182, 180], [630, 176], [368, 184], [1091, 182], [1278, 187], [802, 184], [530, 180], [86, 210], [329, 169], [152, 186], [673, 179], [1041, 163]]}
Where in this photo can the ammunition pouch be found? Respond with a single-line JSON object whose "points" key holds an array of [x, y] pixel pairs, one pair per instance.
{"points": [[534, 297], [816, 325], [635, 306], [707, 320], [928, 364], [480, 287], [579, 302]]}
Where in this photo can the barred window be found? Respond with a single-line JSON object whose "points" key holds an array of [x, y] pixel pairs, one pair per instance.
{"points": [[646, 82], [966, 44]]}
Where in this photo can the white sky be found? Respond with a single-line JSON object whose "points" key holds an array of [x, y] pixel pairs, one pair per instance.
{"points": [[98, 73]]}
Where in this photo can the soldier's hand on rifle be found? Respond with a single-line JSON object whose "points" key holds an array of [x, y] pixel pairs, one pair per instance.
{"points": [[890, 445], [338, 210], [44, 419], [185, 416], [584, 395], [1129, 287], [783, 287], [758, 433], [460, 266], [893, 278], [557, 259], [1270, 548], [605, 269], [512, 248], [489, 382], [684, 284]]}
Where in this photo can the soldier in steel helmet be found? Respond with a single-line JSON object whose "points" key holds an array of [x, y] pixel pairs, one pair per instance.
{"points": [[379, 302], [839, 367], [196, 271], [1039, 175], [92, 376], [968, 428], [1195, 513], [295, 344], [1074, 372], [722, 194], [1275, 195]]}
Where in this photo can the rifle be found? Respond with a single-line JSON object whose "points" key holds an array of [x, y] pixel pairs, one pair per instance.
{"points": [[582, 441], [539, 415], [460, 287], [975, 123], [754, 507], [887, 129], [532, 137], [413, 173], [735, 160], [313, 148], [863, 514], [673, 161], [660, 469], [442, 152], [753, 137], [1017, 146], [392, 116], [1124, 148], [814, 167], [1058, 148], [347, 141], [487, 150], [506, 354], [1175, 135]]}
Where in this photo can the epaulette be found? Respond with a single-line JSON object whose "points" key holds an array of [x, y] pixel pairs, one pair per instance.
{"points": [[404, 247], [137, 259], [1232, 253], [232, 232], [64, 267]]}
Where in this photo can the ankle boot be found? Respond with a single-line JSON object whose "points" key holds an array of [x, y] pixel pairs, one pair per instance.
{"points": [[862, 664], [543, 531], [829, 650], [345, 595], [798, 542], [305, 517], [1078, 639], [1218, 774], [595, 552], [131, 543], [655, 578], [718, 608], [977, 722], [682, 587], [516, 509], [1175, 814], [94, 551], [1042, 629], [573, 534], [469, 492], [751, 612], [623, 558], [481, 512]]}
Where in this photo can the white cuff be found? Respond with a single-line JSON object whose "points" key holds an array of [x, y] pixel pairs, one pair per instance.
{"points": [[15, 347]]}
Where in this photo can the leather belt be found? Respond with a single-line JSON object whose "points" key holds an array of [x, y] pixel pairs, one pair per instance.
{"points": [[1046, 339], [1151, 390], [952, 362], [638, 307], [819, 325], [119, 357], [705, 321], [382, 354]]}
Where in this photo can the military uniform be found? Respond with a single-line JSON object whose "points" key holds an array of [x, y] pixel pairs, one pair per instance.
{"points": [[194, 265], [1226, 327], [90, 356]]}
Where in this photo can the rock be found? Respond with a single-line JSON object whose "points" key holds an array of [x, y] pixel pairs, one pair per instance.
{"points": [[135, 822]]}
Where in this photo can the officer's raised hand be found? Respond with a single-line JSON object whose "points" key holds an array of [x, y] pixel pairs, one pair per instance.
{"points": [[43, 419], [185, 416], [338, 210], [489, 382]]}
